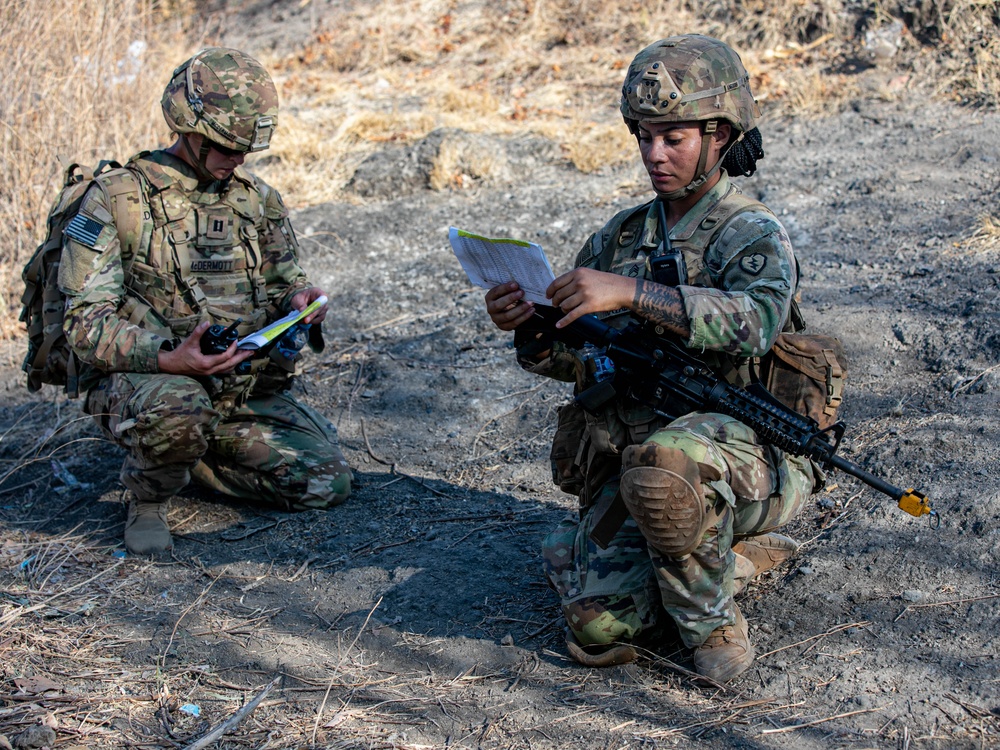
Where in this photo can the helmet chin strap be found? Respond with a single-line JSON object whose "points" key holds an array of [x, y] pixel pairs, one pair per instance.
{"points": [[198, 160], [698, 182]]}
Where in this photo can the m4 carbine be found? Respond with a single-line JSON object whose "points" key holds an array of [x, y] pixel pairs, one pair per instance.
{"points": [[664, 375]]}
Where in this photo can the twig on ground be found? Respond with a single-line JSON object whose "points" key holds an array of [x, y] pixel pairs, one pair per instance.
{"points": [[49, 455], [972, 381], [371, 452], [407, 318], [544, 627], [381, 547], [21, 486], [400, 478], [34, 608], [420, 481], [233, 721], [794, 727], [656, 658], [329, 687], [908, 607], [829, 632], [200, 598], [521, 393], [975, 711]]}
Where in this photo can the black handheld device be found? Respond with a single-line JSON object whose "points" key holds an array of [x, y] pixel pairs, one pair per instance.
{"points": [[218, 338]]}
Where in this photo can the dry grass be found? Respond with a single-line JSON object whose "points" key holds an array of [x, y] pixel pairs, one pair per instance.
{"points": [[82, 89], [984, 239], [393, 71]]}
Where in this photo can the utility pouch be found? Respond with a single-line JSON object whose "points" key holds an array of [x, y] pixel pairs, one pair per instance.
{"points": [[566, 454], [807, 374]]}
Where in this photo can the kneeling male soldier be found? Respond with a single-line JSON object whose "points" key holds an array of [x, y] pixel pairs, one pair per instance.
{"points": [[682, 504], [178, 240]]}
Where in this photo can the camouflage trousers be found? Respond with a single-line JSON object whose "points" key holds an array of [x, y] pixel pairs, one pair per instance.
{"points": [[272, 448], [615, 594]]}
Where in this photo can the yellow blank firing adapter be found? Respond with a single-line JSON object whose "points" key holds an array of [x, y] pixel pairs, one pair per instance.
{"points": [[916, 504]]}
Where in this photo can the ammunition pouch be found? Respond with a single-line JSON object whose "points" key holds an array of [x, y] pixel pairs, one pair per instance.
{"points": [[806, 373]]}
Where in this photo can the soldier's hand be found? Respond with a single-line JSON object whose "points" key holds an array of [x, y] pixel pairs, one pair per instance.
{"points": [[303, 299], [187, 358], [585, 290], [507, 307]]}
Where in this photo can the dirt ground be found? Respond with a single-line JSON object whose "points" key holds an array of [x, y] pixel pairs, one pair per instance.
{"points": [[416, 615]]}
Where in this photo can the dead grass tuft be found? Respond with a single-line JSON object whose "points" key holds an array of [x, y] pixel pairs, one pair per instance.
{"points": [[600, 147], [985, 238], [461, 163]]}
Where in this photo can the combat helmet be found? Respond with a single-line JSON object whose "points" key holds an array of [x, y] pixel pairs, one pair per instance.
{"points": [[686, 78], [226, 96]]}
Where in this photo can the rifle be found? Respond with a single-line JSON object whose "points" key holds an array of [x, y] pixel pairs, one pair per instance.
{"points": [[664, 375]]}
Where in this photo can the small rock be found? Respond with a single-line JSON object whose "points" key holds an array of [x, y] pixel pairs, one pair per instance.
{"points": [[806, 570], [864, 700], [507, 640], [912, 595], [35, 737]]}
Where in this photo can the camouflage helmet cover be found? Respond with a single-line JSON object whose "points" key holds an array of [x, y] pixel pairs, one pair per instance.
{"points": [[224, 95], [689, 77]]}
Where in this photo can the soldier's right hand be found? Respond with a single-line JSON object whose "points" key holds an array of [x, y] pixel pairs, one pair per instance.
{"points": [[187, 358], [507, 307]]}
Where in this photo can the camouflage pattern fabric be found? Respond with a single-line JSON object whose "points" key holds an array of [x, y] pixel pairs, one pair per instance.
{"points": [[226, 96], [741, 273], [741, 279], [271, 449], [214, 252], [617, 593], [688, 78]]}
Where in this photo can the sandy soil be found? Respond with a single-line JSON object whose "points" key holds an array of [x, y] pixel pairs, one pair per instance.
{"points": [[416, 615]]}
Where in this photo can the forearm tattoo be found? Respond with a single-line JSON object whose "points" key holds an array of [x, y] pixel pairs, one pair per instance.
{"points": [[662, 305]]}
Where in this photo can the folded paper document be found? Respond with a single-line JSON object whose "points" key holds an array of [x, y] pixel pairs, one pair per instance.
{"points": [[489, 262]]}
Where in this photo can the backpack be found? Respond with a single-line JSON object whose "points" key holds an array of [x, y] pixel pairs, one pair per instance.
{"points": [[49, 358]]}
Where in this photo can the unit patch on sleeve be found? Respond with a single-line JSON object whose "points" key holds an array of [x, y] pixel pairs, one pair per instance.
{"points": [[84, 230], [753, 264]]}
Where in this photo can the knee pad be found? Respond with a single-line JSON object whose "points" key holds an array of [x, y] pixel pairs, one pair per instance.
{"points": [[662, 490]]}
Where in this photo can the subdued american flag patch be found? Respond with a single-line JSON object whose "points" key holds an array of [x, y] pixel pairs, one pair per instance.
{"points": [[84, 230]]}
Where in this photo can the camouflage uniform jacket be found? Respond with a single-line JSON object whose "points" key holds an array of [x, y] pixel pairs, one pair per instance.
{"points": [[742, 277], [193, 252]]}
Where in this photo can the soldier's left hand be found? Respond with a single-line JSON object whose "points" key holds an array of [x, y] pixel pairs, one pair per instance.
{"points": [[584, 290], [303, 299]]}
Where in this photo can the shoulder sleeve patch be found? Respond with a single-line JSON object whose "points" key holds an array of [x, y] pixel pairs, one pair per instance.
{"points": [[87, 231], [744, 230], [274, 207], [753, 264]]}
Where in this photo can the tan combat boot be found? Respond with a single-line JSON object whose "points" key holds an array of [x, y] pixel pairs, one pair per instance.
{"points": [[727, 652], [146, 530], [756, 554]]}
